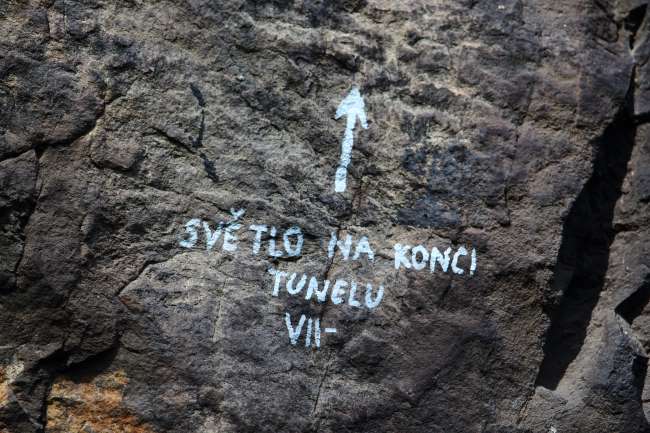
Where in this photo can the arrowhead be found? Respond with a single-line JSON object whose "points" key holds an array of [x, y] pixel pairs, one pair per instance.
{"points": [[353, 105]]}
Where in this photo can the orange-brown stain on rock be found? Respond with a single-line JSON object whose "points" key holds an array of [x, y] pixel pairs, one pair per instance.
{"points": [[4, 388], [95, 406]]}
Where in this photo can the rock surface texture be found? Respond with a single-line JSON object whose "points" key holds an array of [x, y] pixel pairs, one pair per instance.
{"points": [[518, 130]]}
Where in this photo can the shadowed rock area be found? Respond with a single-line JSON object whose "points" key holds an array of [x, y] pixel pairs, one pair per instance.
{"points": [[174, 256]]}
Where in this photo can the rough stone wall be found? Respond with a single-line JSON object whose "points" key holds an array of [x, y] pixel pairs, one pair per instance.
{"points": [[518, 129]]}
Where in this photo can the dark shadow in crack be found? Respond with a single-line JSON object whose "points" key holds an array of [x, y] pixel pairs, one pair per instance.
{"points": [[584, 252], [633, 305]]}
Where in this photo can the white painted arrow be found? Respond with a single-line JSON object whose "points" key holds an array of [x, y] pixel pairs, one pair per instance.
{"points": [[353, 107]]}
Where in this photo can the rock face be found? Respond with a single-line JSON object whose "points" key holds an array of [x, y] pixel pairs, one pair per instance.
{"points": [[167, 208]]}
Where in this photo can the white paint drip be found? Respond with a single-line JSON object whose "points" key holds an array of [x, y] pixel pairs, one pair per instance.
{"points": [[353, 107]]}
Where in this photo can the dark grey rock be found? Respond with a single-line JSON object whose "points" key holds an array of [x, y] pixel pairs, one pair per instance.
{"points": [[518, 130]]}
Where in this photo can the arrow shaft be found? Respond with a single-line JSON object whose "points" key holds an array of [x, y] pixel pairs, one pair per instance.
{"points": [[346, 147], [341, 176]]}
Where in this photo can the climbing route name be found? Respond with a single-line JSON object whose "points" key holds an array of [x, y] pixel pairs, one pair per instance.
{"points": [[269, 243]]}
